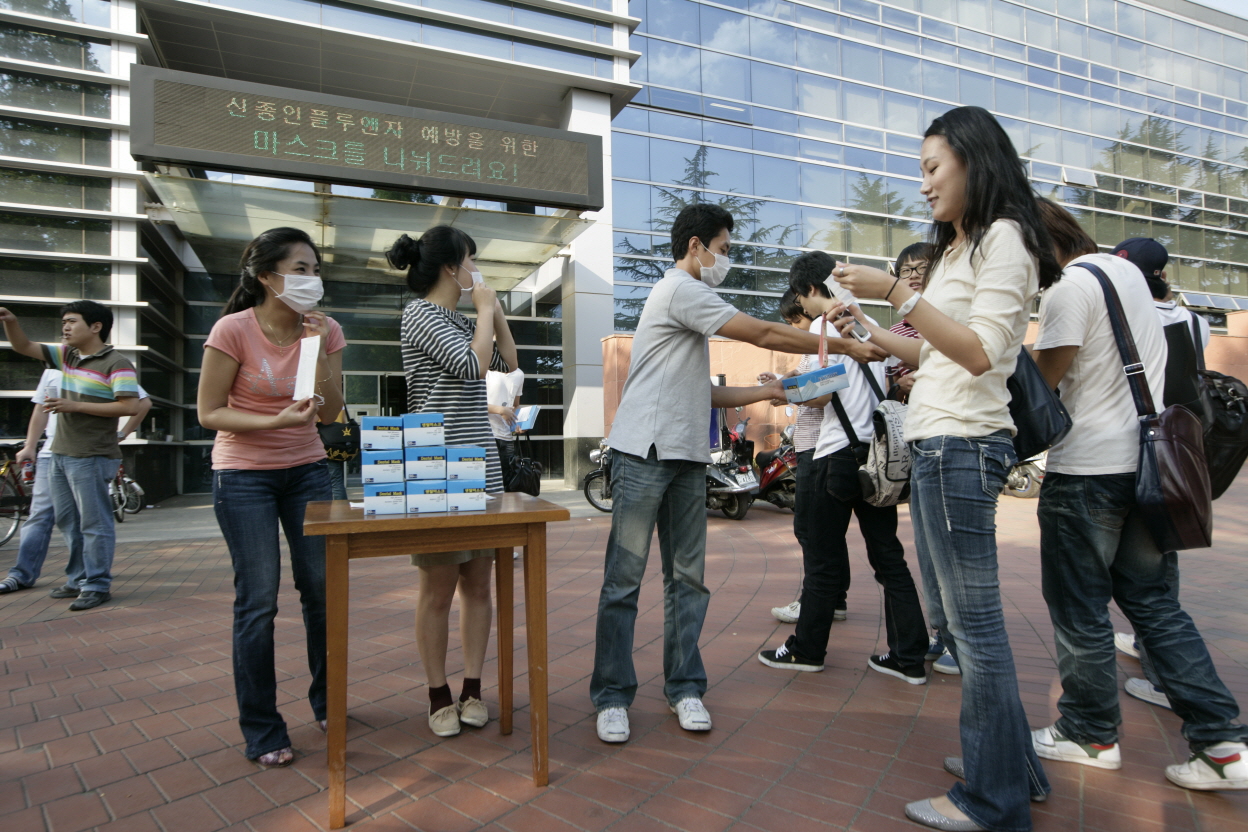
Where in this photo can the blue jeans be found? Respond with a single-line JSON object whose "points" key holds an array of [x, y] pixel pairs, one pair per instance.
{"points": [[337, 478], [84, 514], [955, 483], [37, 527], [249, 506], [671, 494], [1094, 547]]}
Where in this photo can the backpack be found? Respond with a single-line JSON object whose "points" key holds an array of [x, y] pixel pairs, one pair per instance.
{"points": [[884, 462], [1220, 401]]}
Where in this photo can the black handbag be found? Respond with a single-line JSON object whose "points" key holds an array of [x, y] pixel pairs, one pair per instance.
{"points": [[341, 439], [1040, 418], [1172, 487], [526, 473], [1219, 401]]}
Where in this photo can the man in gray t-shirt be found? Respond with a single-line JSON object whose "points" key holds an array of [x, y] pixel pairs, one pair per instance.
{"points": [[660, 439]]}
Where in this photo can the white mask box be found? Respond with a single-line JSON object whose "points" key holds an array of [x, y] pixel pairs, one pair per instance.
{"points": [[385, 498], [816, 383], [381, 433], [465, 462], [426, 496], [381, 466], [423, 429], [465, 495], [424, 463]]}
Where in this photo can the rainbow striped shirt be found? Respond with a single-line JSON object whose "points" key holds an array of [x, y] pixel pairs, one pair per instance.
{"points": [[103, 377]]}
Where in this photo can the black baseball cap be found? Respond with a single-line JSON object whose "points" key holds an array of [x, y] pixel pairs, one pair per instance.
{"points": [[1150, 257]]}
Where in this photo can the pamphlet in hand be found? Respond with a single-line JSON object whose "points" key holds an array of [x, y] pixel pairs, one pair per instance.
{"points": [[305, 375], [526, 417], [840, 292]]}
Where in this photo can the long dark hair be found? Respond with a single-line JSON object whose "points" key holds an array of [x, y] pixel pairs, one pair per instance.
{"points": [[262, 255], [424, 258], [996, 188]]}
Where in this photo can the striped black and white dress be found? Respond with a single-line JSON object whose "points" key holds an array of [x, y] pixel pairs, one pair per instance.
{"points": [[444, 376]]}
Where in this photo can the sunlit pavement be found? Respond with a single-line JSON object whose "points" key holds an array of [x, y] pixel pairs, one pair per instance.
{"points": [[124, 716]]}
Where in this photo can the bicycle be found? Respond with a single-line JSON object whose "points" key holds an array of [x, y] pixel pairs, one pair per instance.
{"points": [[125, 494], [14, 495]]}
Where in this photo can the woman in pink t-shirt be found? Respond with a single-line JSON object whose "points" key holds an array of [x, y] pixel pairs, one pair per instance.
{"points": [[268, 462]]}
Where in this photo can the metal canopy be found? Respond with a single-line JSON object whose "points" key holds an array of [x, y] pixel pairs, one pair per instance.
{"points": [[219, 218]]}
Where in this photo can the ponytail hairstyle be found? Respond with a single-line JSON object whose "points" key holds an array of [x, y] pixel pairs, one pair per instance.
{"points": [[424, 258], [996, 188], [262, 255]]}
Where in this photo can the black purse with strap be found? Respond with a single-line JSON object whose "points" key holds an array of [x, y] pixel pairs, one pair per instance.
{"points": [[341, 439], [1172, 487], [1040, 418], [525, 473]]}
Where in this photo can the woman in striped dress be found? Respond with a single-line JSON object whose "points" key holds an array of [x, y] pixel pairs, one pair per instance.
{"points": [[445, 357]]}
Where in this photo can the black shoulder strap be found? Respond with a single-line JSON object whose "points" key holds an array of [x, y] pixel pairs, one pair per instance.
{"points": [[1131, 364], [1197, 340], [839, 407]]}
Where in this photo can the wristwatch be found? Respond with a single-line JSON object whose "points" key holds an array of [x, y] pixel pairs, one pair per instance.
{"points": [[905, 308]]}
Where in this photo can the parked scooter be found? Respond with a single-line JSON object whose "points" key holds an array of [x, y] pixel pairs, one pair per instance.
{"points": [[778, 472], [730, 479], [598, 482], [1026, 477]]}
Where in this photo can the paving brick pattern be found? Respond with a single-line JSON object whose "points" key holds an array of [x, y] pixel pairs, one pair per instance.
{"points": [[123, 717]]}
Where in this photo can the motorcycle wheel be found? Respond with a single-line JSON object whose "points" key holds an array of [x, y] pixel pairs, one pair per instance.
{"points": [[593, 491], [1028, 488], [736, 507], [134, 498]]}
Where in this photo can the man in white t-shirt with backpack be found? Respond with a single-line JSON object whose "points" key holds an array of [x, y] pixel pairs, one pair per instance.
{"points": [[1094, 544]]}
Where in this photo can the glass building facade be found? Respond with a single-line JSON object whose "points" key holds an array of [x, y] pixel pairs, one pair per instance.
{"points": [[80, 218], [805, 120]]}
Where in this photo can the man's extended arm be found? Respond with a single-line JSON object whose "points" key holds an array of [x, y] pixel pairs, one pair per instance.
{"points": [[784, 338], [145, 406], [14, 334]]}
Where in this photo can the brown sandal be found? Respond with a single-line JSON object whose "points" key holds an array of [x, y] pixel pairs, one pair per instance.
{"points": [[277, 759]]}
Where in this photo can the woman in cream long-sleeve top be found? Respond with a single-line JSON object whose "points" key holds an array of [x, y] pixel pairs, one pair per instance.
{"points": [[992, 256]]}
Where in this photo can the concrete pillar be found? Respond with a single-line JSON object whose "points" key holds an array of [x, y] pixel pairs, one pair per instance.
{"points": [[588, 300]]}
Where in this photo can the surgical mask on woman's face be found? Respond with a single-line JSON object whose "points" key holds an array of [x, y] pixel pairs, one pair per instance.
{"points": [[301, 292], [465, 295], [714, 275]]}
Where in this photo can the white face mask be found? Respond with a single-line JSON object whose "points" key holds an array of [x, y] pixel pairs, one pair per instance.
{"points": [[302, 292], [465, 295], [714, 275]]}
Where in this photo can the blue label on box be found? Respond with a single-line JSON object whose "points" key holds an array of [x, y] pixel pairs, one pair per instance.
{"points": [[379, 433], [425, 463], [423, 429], [425, 496], [465, 495], [465, 462]]}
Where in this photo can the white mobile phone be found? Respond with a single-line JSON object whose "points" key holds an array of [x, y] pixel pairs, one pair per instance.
{"points": [[859, 331]]}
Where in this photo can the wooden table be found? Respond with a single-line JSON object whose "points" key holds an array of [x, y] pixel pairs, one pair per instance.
{"points": [[509, 520]]}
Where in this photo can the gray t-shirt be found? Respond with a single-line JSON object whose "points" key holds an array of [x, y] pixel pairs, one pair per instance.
{"points": [[667, 398]]}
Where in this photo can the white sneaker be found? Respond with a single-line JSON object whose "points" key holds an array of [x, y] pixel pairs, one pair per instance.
{"points": [[1145, 690], [788, 613], [613, 725], [692, 714], [1222, 766], [1125, 642], [1051, 745]]}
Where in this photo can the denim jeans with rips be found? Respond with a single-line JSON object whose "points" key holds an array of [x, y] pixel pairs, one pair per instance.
{"points": [[1094, 547], [672, 495], [954, 487]]}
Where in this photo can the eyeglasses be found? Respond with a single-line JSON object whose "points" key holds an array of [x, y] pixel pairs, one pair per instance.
{"points": [[914, 271]]}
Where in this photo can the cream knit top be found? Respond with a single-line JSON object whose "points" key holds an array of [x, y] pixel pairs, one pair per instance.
{"points": [[991, 293]]}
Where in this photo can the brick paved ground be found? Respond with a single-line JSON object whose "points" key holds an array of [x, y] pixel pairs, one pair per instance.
{"points": [[123, 717]]}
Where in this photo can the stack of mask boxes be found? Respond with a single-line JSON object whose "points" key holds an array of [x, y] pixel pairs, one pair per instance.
{"points": [[407, 467]]}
